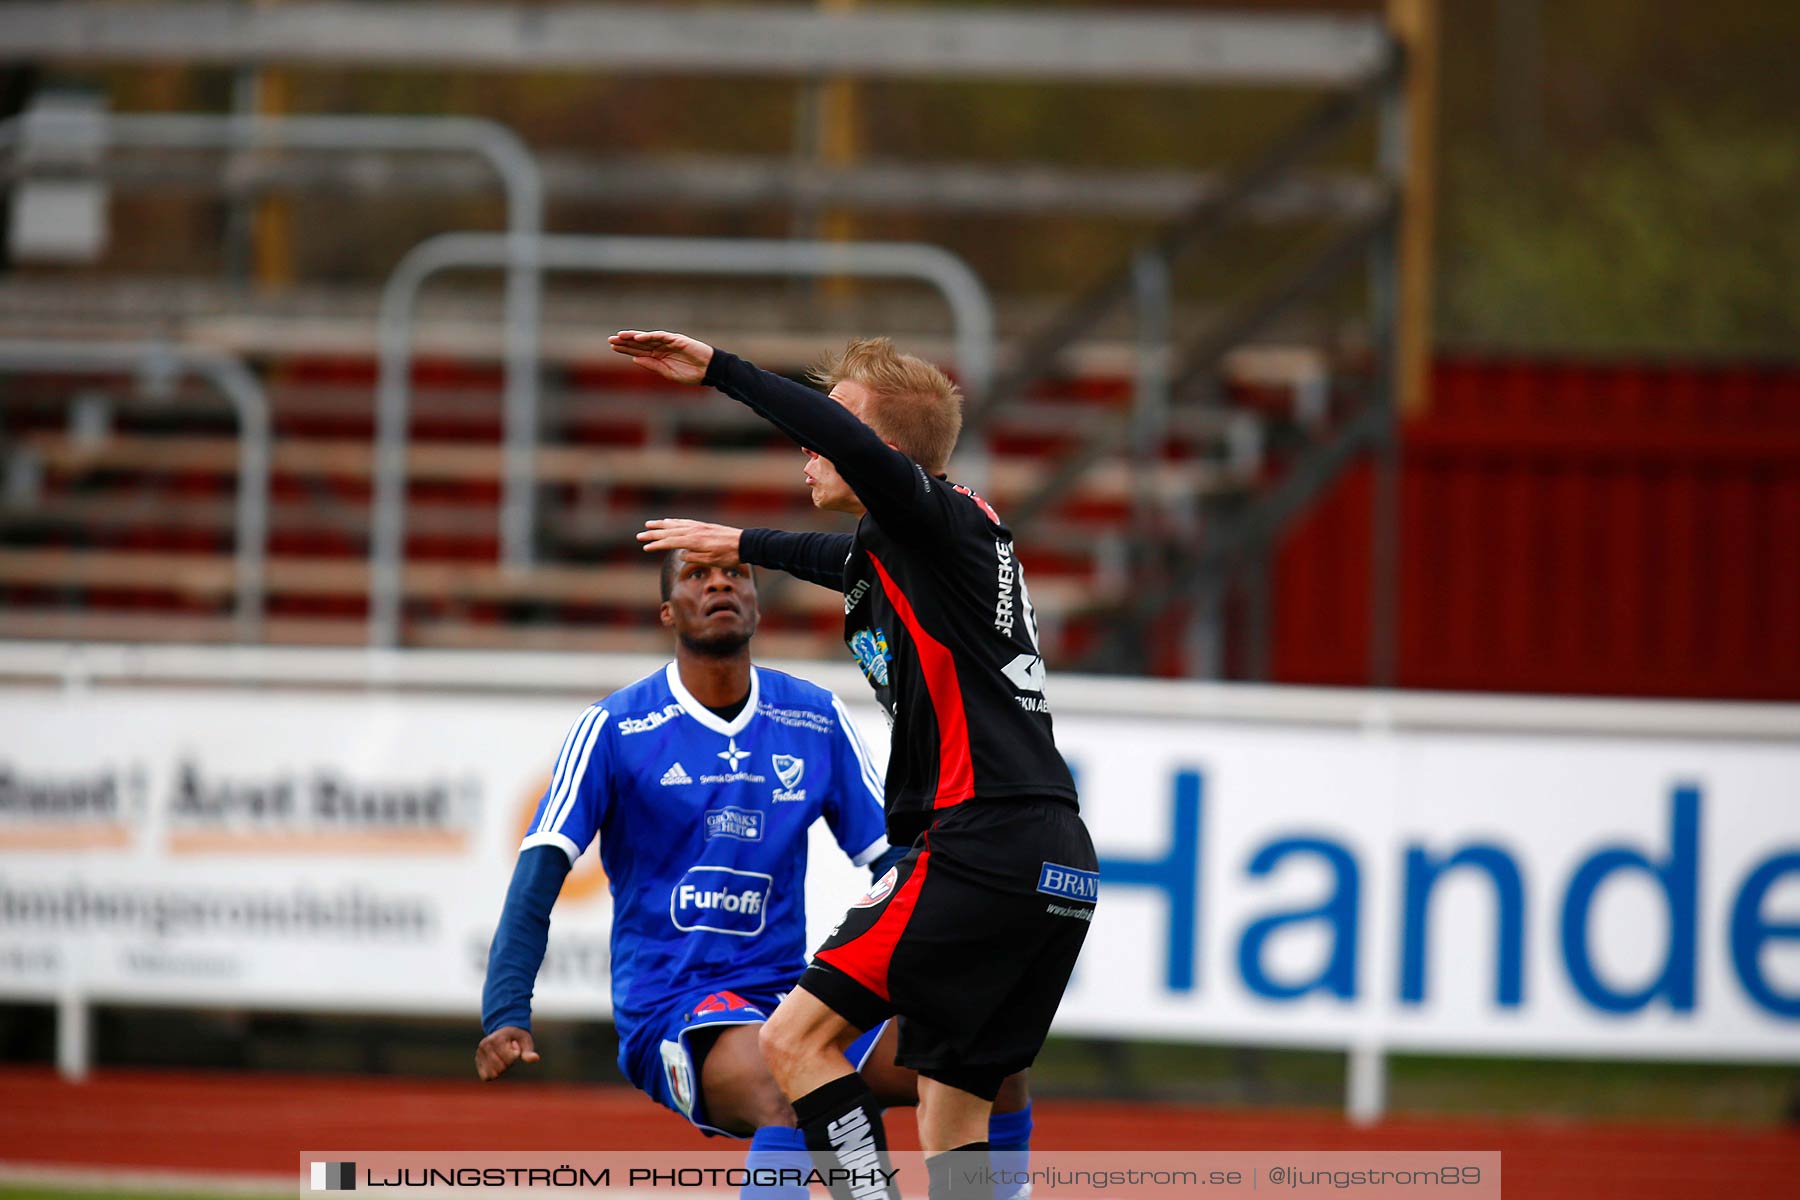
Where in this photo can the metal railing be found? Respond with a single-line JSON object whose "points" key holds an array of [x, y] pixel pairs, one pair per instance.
{"points": [[1170, 373], [499, 146], [160, 364], [971, 311]]}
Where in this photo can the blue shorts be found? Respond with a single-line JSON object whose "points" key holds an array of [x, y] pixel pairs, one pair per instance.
{"points": [[656, 1056]]}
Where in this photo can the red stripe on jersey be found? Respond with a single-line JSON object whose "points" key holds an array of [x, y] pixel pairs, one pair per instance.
{"points": [[985, 506], [867, 958], [956, 769]]}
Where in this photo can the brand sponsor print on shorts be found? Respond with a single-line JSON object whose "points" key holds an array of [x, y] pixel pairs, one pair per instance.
{"points": [[1071, 883], [1063, 910]]}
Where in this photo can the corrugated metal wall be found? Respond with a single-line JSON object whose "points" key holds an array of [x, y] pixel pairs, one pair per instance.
{"points": [[1617, 530]]}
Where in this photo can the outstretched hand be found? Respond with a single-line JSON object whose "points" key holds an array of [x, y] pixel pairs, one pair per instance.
{"points": [[673, 356], [706, 545], [501, 1049]]}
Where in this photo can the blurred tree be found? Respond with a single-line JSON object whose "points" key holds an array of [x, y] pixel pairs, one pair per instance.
{"points": [[1683, 243]]}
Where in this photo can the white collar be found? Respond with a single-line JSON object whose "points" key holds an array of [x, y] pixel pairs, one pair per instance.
{"points": [[707, 716]]}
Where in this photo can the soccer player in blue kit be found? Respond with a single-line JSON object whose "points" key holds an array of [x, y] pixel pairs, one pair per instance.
{"points": [[701, 782]]}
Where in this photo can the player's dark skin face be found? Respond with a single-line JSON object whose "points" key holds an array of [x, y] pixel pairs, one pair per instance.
{"points": [[713, 612]]}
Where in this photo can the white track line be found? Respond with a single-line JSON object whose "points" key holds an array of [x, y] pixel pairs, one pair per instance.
{"points": [[133, 1179]]}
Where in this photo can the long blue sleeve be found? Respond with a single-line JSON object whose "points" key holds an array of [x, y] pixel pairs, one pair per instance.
{"points": [[518, 948]]}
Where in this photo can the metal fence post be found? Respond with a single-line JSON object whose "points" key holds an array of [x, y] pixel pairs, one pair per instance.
{"points": [[1384, 513], [971, 311], [512, 161], [1366, 1083], [232, 378], [1152, 283]]}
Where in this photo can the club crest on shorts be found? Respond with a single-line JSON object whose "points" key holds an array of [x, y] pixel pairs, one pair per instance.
{"points": [[679, 1071], [884, 887]]}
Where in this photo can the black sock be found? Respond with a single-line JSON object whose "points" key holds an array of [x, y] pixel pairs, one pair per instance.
{"points": [[960, 1173], [842, 1127]]}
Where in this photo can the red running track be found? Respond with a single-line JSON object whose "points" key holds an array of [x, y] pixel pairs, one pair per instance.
{"points": [[255, 1125]]}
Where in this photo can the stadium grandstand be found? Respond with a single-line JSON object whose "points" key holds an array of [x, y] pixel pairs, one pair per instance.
{"points": [[1357, 541]]}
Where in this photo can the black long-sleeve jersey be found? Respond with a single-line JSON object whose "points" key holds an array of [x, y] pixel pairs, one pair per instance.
{"points": [[935, 611]]}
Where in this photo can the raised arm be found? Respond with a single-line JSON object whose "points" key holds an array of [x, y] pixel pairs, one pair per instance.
{"points": [[815, 557], [889, 484]]}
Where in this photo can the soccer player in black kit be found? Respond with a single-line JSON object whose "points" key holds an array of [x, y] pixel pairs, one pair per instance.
{"points": [[972, 938]]}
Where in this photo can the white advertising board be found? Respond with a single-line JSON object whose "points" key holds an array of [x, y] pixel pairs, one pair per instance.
{"points": [[1441, 891], [1286, 880], [291, 850]]}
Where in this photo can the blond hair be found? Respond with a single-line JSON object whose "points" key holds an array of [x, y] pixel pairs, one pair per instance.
{"points": [[911, 404]]}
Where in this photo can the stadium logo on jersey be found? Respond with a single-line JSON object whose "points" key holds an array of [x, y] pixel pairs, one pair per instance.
{"points": [[1071, 883], [884, 887], [739, 823], [675, 775], [678, 1070], [649, 721], [721, 900], [870, 646], [789, 770]]}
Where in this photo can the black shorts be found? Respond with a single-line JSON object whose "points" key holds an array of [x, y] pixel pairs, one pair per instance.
{"points": [[971, 938]]}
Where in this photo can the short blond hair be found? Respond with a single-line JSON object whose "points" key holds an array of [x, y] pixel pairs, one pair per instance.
{"points": [[911, 404]]}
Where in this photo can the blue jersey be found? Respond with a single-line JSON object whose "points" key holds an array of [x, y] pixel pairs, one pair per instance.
{"points": [[703, 828]]}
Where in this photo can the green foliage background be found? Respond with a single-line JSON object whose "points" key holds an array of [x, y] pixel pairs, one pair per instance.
{"points": [[1685, 243], [1629, 183]]}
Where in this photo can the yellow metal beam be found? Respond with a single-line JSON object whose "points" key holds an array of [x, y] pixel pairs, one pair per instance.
{"points": [[1415, 25]]}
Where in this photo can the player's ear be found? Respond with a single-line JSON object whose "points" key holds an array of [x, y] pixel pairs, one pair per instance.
{"points": [[666, 614]]}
